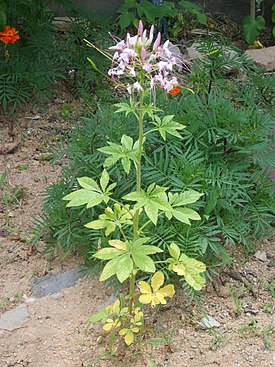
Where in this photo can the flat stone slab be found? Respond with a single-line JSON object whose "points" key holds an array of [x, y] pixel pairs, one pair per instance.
{"points": [[15, 318], [51, 284], [209, 323], [263, 56]]}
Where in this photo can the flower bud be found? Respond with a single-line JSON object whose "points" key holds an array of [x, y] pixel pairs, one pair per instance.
{"points": [[157, 42], [140, 28]]}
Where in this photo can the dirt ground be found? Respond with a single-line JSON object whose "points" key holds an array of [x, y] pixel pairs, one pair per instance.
{"points": [[56, 333]]}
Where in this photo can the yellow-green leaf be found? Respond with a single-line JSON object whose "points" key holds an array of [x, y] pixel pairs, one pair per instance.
{"points": [[145, 298], [174, 251], [129, 337], [120, 245], [144, 287], [168, 291], [157, 280]]}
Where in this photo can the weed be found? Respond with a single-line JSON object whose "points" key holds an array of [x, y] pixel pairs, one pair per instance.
{"points": [[165, 339], [249, 329], [269, 308], [219, 339], [150, 363], [236, 298], [269, 330], [4, 301], [17, 297], [66, 110], [271, 287], [22, 167]]}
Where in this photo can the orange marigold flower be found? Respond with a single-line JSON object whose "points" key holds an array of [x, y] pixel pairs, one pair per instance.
{"points": [[174, 90], [10, 35]]}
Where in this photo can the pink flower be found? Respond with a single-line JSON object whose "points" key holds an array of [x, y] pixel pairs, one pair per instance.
{"points": [[157, 42], [152, 63]]}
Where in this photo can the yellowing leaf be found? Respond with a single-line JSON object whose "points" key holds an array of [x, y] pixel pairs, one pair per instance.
{"points": [[157, 280], [168, 290], [144, 287], [129, 337], [179, 269], [157, 295], [123, 331], [197, 265], [195, 280], [120, 245], [146, 298], [109, 325]]}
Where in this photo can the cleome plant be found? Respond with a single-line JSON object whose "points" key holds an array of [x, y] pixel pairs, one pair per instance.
{"points": [[140, 67]]}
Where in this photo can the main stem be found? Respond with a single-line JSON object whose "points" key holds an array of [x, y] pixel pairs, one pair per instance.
{"points": [[138, 182]]}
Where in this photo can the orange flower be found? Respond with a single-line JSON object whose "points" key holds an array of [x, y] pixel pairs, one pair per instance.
{"points": [[174, 90], [10, 35]]}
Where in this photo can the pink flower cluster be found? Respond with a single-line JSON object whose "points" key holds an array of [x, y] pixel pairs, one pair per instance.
{"points": [[148, 64]]}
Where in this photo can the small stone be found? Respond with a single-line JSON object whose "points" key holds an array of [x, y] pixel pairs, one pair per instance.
{"points": [[57, 296], [14, 318], [261, 255], [209, 323], [28, 299], [35, 117], [264, 57]]}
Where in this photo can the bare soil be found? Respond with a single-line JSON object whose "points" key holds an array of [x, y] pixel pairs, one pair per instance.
{"points": [[56, 333]]}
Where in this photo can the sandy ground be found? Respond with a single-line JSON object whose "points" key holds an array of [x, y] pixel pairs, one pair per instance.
{"points": [[56, 334]]}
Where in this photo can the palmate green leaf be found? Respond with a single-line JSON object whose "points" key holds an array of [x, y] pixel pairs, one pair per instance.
{"points": [[91, 194], [167, 126], [125, 107], [153, 200], [127, 151], [112, 219]]}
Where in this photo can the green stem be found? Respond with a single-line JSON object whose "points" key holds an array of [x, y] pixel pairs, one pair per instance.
{"points": [[138, 181], [138, 165]]}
